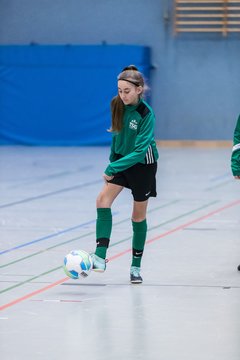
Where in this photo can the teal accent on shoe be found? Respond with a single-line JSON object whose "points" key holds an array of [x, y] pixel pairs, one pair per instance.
{"points": [[135, 276], [99, 264]]}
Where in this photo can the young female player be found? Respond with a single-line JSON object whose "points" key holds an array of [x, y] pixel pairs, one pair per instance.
{"points": [[235, 159], [133, 165]]}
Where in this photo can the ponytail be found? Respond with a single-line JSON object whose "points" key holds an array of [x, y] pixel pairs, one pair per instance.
{"points": [[117, 109]]}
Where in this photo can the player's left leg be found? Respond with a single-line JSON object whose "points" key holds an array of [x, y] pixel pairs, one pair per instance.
{"points": [[139, 225]]}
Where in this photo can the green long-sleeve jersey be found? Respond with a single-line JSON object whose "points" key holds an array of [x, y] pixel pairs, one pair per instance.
{"points": [[235, 160], [135, 142]]}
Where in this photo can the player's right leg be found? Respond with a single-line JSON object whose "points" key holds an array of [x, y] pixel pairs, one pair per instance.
{"points": [[104, 224]]}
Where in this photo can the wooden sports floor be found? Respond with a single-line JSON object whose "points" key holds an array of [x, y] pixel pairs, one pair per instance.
{"points": [[188, 305]]}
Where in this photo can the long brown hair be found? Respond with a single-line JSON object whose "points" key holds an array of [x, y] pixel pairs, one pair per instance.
{"points": [[132, 75]]}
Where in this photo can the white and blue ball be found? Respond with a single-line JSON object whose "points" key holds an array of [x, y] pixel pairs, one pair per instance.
{"points": [[77, 263]]}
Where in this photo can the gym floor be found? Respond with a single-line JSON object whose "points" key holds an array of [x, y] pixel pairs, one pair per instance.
{"points": [[188, 305]]}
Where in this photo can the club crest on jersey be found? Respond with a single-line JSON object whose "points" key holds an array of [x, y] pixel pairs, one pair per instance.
{"points": [[133, 124]]}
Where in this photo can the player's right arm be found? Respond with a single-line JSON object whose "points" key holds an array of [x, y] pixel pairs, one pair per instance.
{"points": [[235, 159], [112, 156]]}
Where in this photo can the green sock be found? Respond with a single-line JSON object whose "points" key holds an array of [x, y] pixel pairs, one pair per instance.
{"points": [[138, 241], [103, 231]]}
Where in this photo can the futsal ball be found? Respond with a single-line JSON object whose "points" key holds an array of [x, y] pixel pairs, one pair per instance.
{"points": [[77, 263]]}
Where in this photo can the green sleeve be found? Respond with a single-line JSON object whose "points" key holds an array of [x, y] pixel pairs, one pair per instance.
{"points": [[235, 159], [143, 140]]}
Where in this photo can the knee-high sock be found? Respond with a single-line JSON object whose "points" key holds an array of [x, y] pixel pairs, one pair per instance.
{"points": [[138, 241], [103, 231]]}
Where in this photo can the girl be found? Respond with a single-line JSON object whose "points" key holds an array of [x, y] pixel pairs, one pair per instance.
{"points": [[133, 165], [235, 159]]}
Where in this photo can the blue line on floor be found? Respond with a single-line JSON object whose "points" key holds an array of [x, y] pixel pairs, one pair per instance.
{"points": [[40, 179], [50, 236], [50, 194], [221, 177]]}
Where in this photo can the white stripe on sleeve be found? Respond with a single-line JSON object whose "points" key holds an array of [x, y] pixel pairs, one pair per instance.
{"points": [[236, 147]]}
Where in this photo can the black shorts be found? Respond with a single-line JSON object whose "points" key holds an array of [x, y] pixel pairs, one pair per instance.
{"points": [[140, 178]]}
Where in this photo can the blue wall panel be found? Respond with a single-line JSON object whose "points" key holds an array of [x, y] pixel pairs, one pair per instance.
{"points": [[60, 95], [200, 86]]}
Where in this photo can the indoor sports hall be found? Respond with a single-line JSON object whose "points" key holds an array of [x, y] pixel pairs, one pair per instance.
{"points": [[59, 63]]}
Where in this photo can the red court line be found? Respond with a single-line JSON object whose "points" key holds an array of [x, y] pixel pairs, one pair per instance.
{"points": [[39, 291], [180, 227]]}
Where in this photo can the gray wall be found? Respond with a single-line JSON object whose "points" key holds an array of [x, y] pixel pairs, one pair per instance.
{"points": [[195, 83]]}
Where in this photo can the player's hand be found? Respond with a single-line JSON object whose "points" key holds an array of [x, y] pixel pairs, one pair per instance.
{"points": [[237, 177], [107, 178]]}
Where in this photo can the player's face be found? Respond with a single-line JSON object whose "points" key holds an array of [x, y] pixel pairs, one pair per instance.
{"points": [[128, 92]]}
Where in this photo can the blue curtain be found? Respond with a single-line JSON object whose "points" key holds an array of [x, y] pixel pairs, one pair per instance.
{"points": [[60, 95]]}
